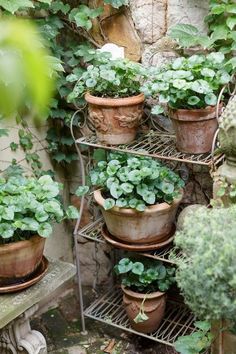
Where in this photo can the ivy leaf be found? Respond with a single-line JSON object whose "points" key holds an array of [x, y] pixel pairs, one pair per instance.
{"points": [[231, 8], [125, 265], [211, 99], [141, 317], [218, 9], [81, 191], [203, 325], [157, 110], [45, 230], [109, 203], [14, 5], [193, 100], [72, 212], [137, 268], [231, 22]]}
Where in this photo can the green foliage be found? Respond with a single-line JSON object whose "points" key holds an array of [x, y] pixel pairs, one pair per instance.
{"points": [[117, 3], [129, 181], [108, 78], [29, 206], [221, 22], [196, 343], [25, 72], [206, 272], [188, 83], [145, 275]]}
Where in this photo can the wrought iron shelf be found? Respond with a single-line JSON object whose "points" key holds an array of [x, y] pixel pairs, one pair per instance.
{"points": [[158, 145], [178, 319], [92, 232]]}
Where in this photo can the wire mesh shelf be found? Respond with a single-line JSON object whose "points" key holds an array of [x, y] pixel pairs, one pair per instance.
{"points": [[158, 145], [178, 319], [93, 232]]}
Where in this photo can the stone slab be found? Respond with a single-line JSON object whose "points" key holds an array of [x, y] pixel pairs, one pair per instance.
{"points": [[13, 305]]}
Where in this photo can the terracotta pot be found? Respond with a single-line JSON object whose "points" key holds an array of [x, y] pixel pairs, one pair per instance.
{"points": [[116, 119], [20, 259], [154, 307], [194, 129], [152, 225]]}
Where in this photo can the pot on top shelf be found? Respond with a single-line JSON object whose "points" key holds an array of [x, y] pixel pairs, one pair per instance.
{"points": [[154, 224], [116, 120], [194, 129], [189, 88]]}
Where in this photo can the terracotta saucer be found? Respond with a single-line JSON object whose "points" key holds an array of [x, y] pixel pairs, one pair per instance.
{"points": [[25, 283], [136, 247]]}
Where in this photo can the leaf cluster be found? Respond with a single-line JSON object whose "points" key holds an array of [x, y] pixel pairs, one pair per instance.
{"points": [[132, 181], [29, 206], [206, 273], [197, 342], [145, 275], [109, 78], [221, 22], [188, 83]]}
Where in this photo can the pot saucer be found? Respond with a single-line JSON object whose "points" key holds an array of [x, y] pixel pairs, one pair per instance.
{"points": [[26, 282], [136, 247]]}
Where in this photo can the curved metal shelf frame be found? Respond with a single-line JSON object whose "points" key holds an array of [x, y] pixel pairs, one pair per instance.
{"points": [[156, 145]]}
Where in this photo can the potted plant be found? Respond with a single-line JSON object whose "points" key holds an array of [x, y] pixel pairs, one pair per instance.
{"points": [[190, 86], [144, 284], [115, 102], [206, 271], [138, 196], [28, 207]]}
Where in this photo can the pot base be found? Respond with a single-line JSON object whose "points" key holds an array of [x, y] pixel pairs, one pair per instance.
{"points": [[166, 240], [23, 283]]}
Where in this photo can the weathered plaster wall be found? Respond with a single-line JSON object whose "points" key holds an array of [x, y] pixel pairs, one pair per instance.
{"points": [[59, 245]]}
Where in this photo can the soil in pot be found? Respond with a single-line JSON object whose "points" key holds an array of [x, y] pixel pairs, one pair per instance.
{"points": [[20, 259], [153, 305], [116, 120], [194, 129], [150, 226]]}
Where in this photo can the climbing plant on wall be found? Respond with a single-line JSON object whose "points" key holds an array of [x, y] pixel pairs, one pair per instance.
{"points": [[65, 27]]}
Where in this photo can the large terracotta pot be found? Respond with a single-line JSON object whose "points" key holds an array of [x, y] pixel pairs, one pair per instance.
{"points": [[153, 304], [116, 119], [152, 225], [194, 129], [20, 259]]}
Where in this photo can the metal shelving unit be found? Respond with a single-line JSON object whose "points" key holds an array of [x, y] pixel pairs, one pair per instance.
{"points": [[108, 308]]}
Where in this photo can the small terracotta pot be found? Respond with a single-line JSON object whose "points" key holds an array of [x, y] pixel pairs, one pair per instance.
{"points": [[194, 129], [116, 119], [152, 225], [20, 259], [154, 307]]}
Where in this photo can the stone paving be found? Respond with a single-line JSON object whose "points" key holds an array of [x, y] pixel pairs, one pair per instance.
{"points": [[62, 330]]}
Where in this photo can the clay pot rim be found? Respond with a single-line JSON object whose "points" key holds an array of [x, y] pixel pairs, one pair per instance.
{"points": [[128, 211], [132, 293], [196, 110], [115, 102], [15, 246]]}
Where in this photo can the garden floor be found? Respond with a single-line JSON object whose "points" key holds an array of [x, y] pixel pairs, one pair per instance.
{"points": [[62, 330]]}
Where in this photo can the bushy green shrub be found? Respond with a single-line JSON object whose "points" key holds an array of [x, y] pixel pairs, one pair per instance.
{"points": [[207, 272]]}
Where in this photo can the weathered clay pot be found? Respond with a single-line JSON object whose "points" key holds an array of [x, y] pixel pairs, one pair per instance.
{"points": [[116, 119], [194, 129], [19, 259], [154, 307], [152, 225]]}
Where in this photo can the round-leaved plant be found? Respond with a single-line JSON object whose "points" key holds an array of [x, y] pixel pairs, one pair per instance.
{"points": [[29, 206]]}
